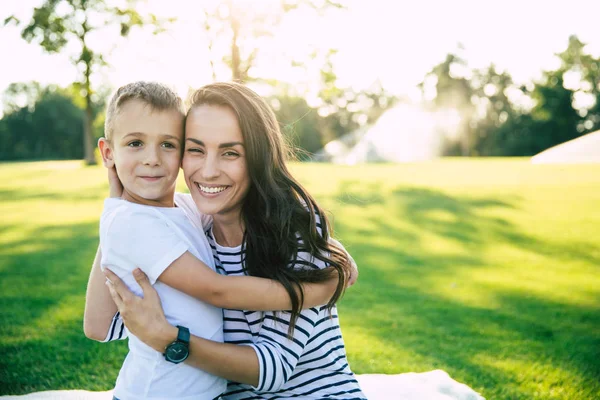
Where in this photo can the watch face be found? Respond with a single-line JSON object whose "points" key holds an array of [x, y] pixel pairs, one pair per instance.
{"points": [[176, 352]]}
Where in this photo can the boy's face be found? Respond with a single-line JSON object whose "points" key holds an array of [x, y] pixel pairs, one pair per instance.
{"points": [[146, 151]]}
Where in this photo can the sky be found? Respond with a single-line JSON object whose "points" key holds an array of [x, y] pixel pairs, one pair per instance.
{"points": [[392, 42]]}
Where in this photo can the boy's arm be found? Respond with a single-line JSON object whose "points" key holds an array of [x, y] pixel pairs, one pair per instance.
{"points": [[160, 252], [353, 274], [99, 305], [100, 309], [194, 278]]}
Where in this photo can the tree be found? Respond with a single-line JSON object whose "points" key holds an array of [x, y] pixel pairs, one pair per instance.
{"points": [[565, 104], [453, 91], [44, 125], [245, 25], [496, 115], [21, 95], [559, 114], [58, 23], [307, 128], [343, 109], [299, 124], [581, 74]]}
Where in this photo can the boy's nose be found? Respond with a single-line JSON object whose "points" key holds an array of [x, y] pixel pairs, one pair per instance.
{"points": [[152, 157]]}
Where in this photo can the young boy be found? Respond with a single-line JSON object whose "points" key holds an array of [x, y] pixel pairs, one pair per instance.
{"points": [[148, 228]]}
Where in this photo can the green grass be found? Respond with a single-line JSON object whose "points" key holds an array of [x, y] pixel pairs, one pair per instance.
{"points": [[487, 269]]}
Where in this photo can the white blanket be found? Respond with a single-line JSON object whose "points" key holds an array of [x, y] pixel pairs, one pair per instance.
{"points": [[432, 385]]}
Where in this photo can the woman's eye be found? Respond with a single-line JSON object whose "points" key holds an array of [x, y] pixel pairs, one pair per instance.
{"points": [[194, 150], [135, 143], [230, 154]]}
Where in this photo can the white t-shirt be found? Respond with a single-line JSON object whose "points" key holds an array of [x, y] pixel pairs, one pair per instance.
{"points": [[151, 238]]}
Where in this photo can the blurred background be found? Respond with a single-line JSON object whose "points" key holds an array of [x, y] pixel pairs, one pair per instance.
{"points": [[456, 145], [464, 78]]}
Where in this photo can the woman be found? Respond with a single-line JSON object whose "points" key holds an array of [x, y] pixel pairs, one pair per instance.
{"points": [[264, 224]]}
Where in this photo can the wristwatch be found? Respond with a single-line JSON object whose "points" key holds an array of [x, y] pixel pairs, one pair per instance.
{"points": [[179, 350]]}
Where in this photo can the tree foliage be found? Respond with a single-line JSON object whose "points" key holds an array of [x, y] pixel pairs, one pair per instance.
{"points": [[40, 123], [58, 23], [245, 26], [565, 104], [339, 111]]}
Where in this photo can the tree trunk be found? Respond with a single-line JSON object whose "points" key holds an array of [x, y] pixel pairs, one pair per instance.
{"points": [[88, 131], [88, 135], [236, 72]]}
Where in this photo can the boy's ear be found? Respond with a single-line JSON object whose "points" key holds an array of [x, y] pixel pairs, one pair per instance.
{"points": [[106, 152]]}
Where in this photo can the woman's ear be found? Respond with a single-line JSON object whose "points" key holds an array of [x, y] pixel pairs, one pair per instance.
{"points": [[106, 152]]}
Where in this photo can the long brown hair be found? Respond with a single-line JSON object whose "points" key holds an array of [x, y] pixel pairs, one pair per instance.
{"points": [[277, 210]]}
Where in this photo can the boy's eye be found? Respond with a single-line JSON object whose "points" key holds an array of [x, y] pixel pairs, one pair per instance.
{"points": [[169, 145], [135, 143]]}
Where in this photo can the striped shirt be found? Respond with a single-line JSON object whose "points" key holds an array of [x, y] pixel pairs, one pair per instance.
{"points": [[312, 365]]}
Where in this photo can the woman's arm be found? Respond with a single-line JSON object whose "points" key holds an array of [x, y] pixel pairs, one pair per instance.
{"points": [[195, 278], [145, 319], [99, 305]]}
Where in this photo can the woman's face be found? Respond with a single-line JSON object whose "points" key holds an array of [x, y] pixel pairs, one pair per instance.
{"points": [[214, 162]]}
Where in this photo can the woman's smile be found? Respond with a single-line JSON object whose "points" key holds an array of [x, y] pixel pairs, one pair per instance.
{"points": [[211, 190]]}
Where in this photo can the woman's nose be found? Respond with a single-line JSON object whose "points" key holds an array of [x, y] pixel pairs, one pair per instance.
{"points": [[210, 168]]}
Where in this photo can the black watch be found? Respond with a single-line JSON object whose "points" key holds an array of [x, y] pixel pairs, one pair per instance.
{"points": [[179, 350]]}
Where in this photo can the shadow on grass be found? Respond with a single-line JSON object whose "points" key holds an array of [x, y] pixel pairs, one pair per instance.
{"points": [[369, 194], [482, 346], [42, 299], [41, 326], [491, 350], [469, 226]]}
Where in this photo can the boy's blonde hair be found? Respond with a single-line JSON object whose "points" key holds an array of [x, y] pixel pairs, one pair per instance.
{"points": [[156, 95]]}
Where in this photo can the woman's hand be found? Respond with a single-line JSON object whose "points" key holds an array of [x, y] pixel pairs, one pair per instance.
{"points": [[114, 183], [143, 317]]}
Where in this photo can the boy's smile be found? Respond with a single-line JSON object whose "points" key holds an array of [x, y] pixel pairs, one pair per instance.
{"points": [[146, 151]]}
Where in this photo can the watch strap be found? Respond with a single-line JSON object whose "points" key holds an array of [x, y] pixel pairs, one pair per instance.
{"points": [[183, 335]]}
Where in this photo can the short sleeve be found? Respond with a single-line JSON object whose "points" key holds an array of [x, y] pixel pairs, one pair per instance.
{"points": [[141, 239], [186, 203]]}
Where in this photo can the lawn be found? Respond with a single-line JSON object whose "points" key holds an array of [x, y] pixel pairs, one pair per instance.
{"points": [[487, 269]]}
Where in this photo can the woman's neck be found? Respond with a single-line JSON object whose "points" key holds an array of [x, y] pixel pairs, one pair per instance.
{"points": [[228, 231]]}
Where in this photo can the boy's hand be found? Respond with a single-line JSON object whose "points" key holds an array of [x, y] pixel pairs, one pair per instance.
{"points": [[353, 272], [353, 277], [114, 183]]}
